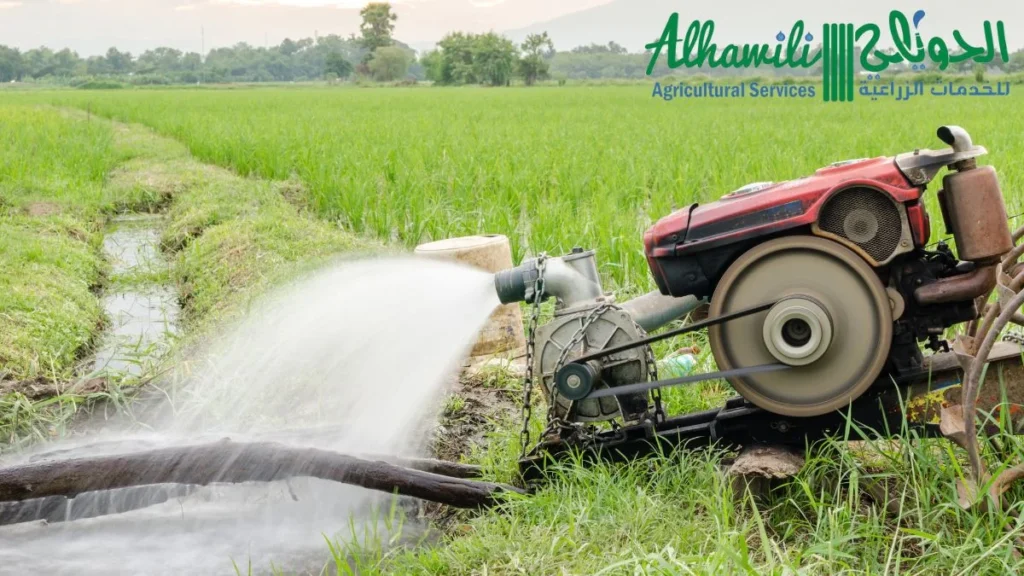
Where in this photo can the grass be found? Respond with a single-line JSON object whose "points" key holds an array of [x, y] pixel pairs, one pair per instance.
{"points": [[679, 514], [49, 239], [226, 238], [552, 168]]}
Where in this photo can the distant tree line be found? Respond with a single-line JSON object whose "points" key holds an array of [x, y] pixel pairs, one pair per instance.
{"points": [[458, 59], [374, 55], [304, 59]]}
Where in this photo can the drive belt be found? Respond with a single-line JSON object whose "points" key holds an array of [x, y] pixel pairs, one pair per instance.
{"points": [[644, 386]]}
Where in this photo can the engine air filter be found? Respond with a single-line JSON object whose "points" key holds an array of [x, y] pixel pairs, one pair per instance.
{"points": [[865, 217]]}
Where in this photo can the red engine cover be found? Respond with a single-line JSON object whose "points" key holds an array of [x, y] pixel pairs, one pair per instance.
{"points": [[762, 210]]}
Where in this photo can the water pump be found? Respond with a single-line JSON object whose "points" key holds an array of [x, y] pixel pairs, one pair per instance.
{"points": [[818, 288]]}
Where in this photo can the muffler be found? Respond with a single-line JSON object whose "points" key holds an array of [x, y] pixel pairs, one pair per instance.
{"points": [[974, 212]]}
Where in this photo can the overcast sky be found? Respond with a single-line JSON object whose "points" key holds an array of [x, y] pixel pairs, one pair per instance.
{"points": [[92, 26]]}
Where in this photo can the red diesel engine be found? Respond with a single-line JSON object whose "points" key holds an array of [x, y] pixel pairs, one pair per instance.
{"points": [[849, 244], [868, 205], [817, 288]]}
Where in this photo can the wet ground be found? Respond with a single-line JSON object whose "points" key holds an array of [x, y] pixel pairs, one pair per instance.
{"points": [[143, 312]]}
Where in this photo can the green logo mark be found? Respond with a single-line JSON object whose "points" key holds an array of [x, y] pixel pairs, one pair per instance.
{"points": [[838, 52]]}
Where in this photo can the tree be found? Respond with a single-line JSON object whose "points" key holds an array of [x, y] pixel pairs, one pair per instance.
{"points": [[388, 64], [1016, 63], [433, 64], [611, 48], [378, 24], [38, 62], [66, 63], [11, 67], [494, 59], [472, 58], [456, 59], [336, 64], [534, 65], [119, 62], [289, 47], [159, 60], [97, 66]]}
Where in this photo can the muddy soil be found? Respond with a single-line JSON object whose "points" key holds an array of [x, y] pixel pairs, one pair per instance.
{"points": [[463, 424]]}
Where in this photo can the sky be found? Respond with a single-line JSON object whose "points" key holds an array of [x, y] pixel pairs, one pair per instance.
{"points": [[92, 26]]}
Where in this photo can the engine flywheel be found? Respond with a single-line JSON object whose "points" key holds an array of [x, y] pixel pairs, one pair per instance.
{"points": [[832, 324]]}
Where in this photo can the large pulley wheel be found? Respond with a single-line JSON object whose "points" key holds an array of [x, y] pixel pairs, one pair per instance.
{"points": [[832, 325]]}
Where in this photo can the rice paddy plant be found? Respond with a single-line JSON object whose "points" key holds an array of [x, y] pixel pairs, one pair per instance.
{"points": [[51, 158], [52, 172], [552, 168]]}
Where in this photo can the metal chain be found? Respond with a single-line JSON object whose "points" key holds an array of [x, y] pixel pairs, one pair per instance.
{"points": [[652, 375], [531, 334], [581, 332], [553, 421]]}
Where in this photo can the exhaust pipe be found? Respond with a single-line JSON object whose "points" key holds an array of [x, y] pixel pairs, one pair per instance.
{"points": [[574, 281], [969, 286]]}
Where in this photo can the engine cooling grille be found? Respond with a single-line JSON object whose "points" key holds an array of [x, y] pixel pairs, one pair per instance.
{"points": [[865, 217]]}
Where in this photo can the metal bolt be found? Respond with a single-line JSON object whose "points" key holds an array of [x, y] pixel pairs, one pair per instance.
{"points": [[573, 381]]}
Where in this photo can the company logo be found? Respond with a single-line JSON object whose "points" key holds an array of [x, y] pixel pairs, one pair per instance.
{"points": [[838, 53]]}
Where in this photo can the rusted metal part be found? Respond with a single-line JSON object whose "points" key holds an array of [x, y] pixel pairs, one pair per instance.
{"points": [[991, 312], [968, 286], [963, 348], [1004, 380], [972, 383], [1007, 477], [1004, 389], [977, 214], [951, 424], [700, 313], [1010, 260]]}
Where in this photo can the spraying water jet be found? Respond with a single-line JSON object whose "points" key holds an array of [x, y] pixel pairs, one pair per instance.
{"points": [[337, 365]]}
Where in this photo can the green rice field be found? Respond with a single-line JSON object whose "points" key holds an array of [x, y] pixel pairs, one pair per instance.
{"points": [[552, 167], [256, 183]]}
